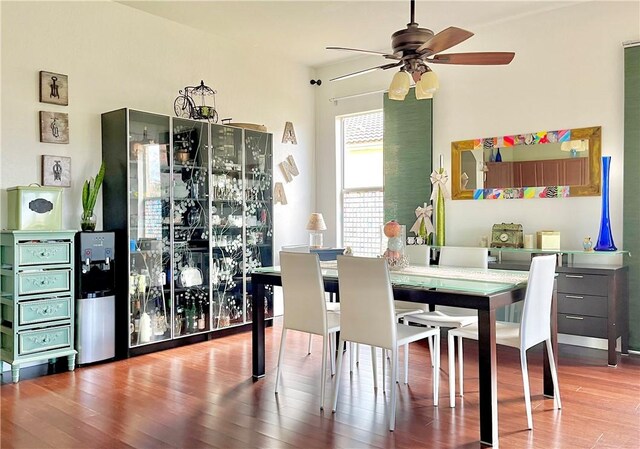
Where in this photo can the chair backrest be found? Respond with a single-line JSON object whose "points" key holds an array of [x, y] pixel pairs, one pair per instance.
{"points": [[461, 256], [295, 249], [418, 254], [536, 312], [366, 301], [303, 290]]}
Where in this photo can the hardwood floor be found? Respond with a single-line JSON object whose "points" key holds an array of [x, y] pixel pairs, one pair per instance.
{"points": [[203, 396]]}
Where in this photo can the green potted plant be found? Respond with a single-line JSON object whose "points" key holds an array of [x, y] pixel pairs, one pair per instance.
{"points": [[89, 196]]}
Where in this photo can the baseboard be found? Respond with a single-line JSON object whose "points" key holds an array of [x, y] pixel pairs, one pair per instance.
{"points": [[587, 342]]}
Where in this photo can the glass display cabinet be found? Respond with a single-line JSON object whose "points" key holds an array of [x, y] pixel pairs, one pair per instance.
{"points": [[227, 226], [189, 177], [149, 303], [258, 212], [191, 204]]}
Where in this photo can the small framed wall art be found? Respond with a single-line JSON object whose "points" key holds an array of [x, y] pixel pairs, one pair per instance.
{"points": [[54, 127], [54, 88], [56, 171]]}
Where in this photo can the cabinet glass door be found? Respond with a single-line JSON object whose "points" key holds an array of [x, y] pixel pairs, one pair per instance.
{"points": [[226, 226], [149, 255], [258, 213], [189, 177]]}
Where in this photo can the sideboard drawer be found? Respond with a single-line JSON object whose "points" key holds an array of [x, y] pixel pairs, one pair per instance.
{"points": [[583, 284], [36, 282], [44, 253], [44, 339], [582, 304], [582, 325], [31, 312]]}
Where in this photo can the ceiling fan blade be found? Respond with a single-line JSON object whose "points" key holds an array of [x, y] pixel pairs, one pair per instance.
{"points": [[386, 55], [443, 40], [362, 72], [481, 58]]}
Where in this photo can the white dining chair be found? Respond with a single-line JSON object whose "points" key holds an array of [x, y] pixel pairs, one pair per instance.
{"points": [[367, 317], [305, 307], [454, 317], [534, 328], [417, 255], [332, 306]]}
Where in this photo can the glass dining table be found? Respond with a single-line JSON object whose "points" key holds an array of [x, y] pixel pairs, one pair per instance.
{"points": [[483, 290]]}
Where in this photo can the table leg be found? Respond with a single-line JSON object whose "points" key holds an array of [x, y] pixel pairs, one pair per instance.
{"points": [[546, 368], [487, 377], [257, 328]]}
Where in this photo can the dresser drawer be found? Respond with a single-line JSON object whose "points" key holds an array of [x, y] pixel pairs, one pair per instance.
{"points": [[44, 253], [31, 312], [44, 339], [582, 304], [583, 284], [36, 282], [586, 326]]}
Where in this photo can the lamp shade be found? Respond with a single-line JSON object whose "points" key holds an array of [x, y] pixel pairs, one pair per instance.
{"points": [[427, 85], [399, 86], [316, 222], [574, 145]]}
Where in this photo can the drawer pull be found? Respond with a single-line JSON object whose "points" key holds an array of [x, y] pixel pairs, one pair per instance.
{"points": [[46, 310], [44, 281], [574, 297], [43, 340], [45, 253], [570, 317], [577, 276]]}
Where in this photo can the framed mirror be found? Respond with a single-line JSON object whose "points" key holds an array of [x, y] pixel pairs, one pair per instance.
{"points": [[544, 164]]}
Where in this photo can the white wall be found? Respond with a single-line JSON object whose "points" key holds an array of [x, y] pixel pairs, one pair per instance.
{"points": [[567, 73], [115, 57]]}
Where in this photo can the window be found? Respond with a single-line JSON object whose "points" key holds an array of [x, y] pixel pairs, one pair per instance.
{"points": [[362, 182]]}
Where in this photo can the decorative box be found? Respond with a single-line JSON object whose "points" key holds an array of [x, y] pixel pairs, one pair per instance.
{"points": [[548, 239], [34, 208]]}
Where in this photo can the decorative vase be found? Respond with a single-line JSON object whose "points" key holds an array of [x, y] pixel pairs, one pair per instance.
{"points": [[498, 156], [88, 222], [393, 245], [605, 239], [440, 219], [492, 158]]}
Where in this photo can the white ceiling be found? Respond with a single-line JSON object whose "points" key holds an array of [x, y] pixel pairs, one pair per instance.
{"points": [[300, 30]]}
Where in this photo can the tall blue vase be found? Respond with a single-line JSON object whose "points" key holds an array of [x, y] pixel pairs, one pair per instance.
{"points": [[605, 239]]}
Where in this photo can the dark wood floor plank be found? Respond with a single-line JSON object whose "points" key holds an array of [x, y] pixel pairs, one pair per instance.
{"points": [[202, 396]]}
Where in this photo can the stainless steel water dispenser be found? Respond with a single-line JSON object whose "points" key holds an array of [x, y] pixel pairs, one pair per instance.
{"points": [[95, 307]]}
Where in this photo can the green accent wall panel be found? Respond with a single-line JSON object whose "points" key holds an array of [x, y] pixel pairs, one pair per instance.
{"points": [[631, 232], [407, 160]]}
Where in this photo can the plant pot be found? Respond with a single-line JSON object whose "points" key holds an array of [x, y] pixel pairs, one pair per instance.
{"points": [[88, 222]]}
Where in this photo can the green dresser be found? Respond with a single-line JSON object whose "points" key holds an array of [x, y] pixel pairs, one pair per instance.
{"points": [[36, 297]]}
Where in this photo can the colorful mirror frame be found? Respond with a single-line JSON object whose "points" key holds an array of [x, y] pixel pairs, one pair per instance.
{"points": [[590, 188]]}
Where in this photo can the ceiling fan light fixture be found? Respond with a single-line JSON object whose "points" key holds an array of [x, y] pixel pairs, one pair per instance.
{"points": [[422, 95], [399, 87], [427, 85]]}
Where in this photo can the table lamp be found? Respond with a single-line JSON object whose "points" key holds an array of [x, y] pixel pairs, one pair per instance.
{"points": [[574, 147], [315, 226]]}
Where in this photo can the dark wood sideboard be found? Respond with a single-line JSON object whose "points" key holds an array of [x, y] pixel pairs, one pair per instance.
{"points": [[593, 301]]}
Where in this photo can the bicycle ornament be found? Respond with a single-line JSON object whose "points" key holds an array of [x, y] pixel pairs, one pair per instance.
{"points": [[185, 105]]}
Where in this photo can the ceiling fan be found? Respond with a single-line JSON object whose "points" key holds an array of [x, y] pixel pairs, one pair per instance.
{"points": [[414, 48]]}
